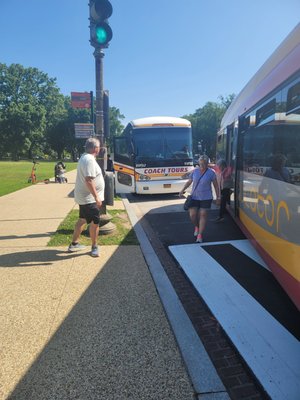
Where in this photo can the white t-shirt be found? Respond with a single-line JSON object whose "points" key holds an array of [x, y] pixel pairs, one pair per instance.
{"points": [[88, 166]]}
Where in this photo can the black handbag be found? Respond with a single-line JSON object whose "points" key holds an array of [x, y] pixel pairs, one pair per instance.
{"points": [[188, 200]]}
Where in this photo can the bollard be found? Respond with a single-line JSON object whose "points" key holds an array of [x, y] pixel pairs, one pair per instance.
{"points": [[109, 188]]}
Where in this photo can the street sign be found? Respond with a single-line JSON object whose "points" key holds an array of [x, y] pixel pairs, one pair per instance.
{"points": [[81, 99], [84, 131]]}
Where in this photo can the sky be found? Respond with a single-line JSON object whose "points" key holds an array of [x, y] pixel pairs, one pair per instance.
{"points": [[166, 57]]}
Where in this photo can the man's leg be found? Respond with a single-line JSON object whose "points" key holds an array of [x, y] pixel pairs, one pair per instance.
{"points": [[223, 203], [94, 232], [78, 229], [225, 199]]}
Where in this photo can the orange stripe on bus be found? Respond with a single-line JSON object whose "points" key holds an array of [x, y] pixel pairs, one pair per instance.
{"points": [[286, 254], [125, 170]]}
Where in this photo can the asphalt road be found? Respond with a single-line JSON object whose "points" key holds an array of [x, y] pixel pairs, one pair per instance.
{"points": [[166, 224]]}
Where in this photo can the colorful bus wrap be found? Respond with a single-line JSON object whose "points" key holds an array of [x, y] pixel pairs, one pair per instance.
{"points": [[260, 141]]}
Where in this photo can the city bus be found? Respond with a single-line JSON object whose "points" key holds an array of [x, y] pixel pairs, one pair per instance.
{"points": [[153, 156], [259, 138]]}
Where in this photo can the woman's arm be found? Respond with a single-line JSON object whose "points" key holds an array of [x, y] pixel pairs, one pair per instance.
{"points": [[187, 184]]}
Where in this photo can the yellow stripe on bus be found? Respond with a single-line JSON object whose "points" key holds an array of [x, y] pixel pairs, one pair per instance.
{"points": [[125, 170], [286, 254]]}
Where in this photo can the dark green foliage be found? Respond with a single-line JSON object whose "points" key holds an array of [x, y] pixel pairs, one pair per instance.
{"points": [[36, 119], [205, 124], [29, 103]]}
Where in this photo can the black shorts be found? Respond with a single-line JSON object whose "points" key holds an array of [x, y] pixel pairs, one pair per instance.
{"points": [[89, 212], [200, 203]]}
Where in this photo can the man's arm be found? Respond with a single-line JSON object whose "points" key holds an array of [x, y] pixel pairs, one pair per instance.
{"points": [[90, 183], [217, 189]]}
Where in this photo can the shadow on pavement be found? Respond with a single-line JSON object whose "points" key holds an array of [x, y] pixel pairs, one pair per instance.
{"points": [[30, 236], [114, 344], [35, 258], [174, 228], [140, 198]]}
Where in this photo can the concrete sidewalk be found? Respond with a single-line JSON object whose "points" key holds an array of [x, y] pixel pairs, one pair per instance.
{"points": [[75, 327]]}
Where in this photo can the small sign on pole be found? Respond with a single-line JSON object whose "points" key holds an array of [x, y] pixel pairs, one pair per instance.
{"points": [[84, 131], [81, 99]]}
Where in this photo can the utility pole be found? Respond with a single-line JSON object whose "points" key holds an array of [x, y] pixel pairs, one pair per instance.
{"points": [[99, 55], [100, 36]]}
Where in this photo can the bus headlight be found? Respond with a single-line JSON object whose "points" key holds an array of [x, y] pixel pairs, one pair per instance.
{"points": [[142, 177]]}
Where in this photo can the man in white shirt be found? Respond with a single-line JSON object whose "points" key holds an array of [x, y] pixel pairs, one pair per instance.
{"points": [[89, 194]]}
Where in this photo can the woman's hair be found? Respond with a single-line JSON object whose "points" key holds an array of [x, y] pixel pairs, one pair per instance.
{"points": [[204, 158], [91, 144]]}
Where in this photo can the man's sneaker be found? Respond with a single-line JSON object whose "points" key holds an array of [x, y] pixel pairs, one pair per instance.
{"points": [[199, 239], [196, 231], [75, 247], [95, 251]]}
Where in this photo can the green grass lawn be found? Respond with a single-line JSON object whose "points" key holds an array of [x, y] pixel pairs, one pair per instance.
{"points": [[123, 235], [14, 174]]}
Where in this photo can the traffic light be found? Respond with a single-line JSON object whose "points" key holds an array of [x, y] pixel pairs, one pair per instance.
{"points": [[101, 33]]}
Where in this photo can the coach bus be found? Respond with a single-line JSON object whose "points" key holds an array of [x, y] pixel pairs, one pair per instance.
{"points": [[153, 155], [259, 138]]}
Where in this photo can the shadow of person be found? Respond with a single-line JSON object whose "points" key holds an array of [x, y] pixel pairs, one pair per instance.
{"points": [[43, 257], [29, 236]]}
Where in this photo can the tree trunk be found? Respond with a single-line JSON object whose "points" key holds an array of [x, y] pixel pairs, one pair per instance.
{"points": [[30, 152]]}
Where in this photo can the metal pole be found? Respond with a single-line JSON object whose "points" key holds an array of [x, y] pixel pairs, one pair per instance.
{"points": [[99, 109], [106, 226], [92, 107]]}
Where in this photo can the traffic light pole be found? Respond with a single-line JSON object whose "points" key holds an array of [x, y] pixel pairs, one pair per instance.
{"points": [[99, 54], [106, 226]]}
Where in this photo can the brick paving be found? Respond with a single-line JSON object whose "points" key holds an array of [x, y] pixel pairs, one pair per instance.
{"points": [[239, 381]]}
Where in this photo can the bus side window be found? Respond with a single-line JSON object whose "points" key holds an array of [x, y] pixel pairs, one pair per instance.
{"points": [[123, 151]]}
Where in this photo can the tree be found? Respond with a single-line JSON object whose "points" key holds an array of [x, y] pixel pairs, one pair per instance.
{"points": [[61, 135], [116, 126], [30, 103], [205, 124], [226, 101]]}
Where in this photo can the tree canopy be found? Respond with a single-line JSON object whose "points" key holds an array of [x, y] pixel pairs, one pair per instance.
{"points": [[36, 119], [30, 102], [205, 123]]}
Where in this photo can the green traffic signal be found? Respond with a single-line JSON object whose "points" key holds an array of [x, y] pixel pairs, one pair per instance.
{"points": [[103, 34]]}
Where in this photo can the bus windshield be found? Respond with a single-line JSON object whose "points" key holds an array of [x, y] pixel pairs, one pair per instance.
{"points": [[162, 144]]}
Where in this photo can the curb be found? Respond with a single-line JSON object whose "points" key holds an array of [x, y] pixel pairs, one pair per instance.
{"points": [[203, 375]]}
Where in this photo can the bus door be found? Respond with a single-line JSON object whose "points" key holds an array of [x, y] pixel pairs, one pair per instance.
{"points": [[230, 157], [124, 165], [243, 127]]}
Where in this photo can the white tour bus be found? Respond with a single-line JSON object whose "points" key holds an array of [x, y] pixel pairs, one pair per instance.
{"points": [[153, 155]]}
